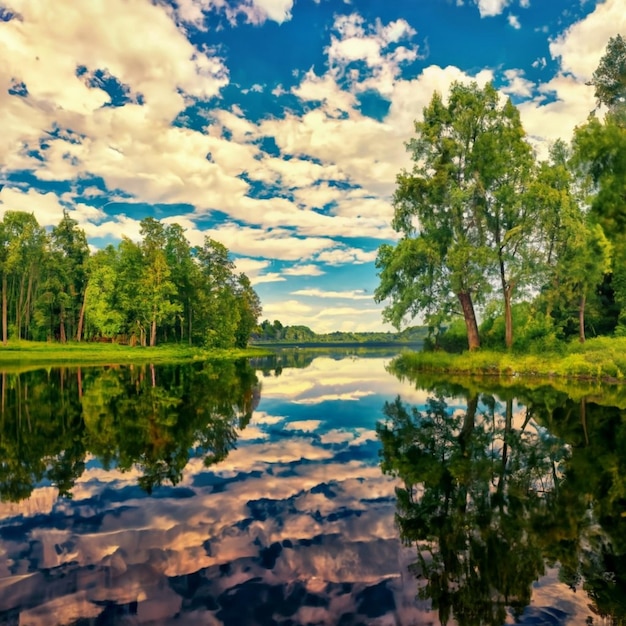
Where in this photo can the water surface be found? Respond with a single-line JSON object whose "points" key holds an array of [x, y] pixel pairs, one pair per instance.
{"points": [[252, 493]]}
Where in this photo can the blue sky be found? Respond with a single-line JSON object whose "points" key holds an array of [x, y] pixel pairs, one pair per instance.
{"points": [[274, 126]]}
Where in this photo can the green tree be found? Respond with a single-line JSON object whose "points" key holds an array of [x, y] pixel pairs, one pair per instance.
{"points": [[600, 154], [183, 273], [156, 289], [576, 252], [609, 79], [103, 314], [217, 315], [63, 288], [460, 202], [23, 250], [249, 306]]}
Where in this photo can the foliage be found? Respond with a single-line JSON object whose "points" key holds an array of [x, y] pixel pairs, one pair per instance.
{"points": [[489, 502], [461, 212], [153, 418], [601, 358], [156, 290], [478, 215]]}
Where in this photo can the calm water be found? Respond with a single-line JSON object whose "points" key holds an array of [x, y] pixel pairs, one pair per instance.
{"points": [[307, 489]]}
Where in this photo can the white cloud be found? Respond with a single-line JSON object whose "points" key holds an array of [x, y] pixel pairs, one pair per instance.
{"points": [[356, 294], [539, 62], [513, 21], [341, 256], [370, 43], [303, 270], [490, 8], [304, 425], [271, 277], [518, 85], [582, 45], [197, 12]]}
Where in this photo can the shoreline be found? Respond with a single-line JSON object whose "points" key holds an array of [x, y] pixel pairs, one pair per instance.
{"points": [[600, 360]]}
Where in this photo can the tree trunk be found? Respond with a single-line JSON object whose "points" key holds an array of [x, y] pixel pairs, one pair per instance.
{"points": [[508, 426], [469, 316], [189, 331], [581, 318], [81, 318], [508, 318], [4, 308], [507, 289], [62, 335], [153, 329]]}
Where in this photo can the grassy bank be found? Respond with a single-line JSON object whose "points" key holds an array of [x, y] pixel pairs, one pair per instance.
{"points": [[601, 359], [28, 353]]}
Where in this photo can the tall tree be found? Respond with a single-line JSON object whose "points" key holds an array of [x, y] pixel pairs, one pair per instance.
{"points": [[67, 277], [609, 79], [577, 254], [182, 274], [600, 153], [104, 316], [155, 285], [503, 165], [249, 306], [458, 204], [22, 253], [218, 314]]}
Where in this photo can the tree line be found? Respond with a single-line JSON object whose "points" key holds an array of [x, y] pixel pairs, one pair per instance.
{"points": [[538, 246], [276, 332], [160, 289]]}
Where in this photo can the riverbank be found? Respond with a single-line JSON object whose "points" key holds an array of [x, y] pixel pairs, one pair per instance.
{"points": [[599, 359], [31, 353]]}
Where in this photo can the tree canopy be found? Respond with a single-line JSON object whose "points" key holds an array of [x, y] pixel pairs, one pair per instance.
{"points": [[157, 289]]}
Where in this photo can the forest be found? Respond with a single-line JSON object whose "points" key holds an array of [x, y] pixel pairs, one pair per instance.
{"points": [[276, 332], [160, 289], [526, 253]]}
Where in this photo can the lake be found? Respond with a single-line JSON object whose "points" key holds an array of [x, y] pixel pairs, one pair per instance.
{"points": [[308, 488]]}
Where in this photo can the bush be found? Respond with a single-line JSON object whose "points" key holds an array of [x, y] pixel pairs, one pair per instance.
{"points": [[533, 331]]}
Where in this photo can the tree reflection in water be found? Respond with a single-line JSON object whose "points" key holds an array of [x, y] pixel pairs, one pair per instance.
{"points": [[490, 497], [145, 417]]}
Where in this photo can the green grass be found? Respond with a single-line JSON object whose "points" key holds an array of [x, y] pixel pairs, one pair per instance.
{"points": [[29, 353], [600, 359]]}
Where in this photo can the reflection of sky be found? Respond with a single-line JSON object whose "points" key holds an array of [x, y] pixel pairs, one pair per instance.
{"points": [[295, 526]]}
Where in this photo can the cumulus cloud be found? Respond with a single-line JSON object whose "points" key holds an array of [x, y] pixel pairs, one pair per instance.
{"points": [[489, 8], [357, 294], [198, 12], [517, 84], [581, 46]]}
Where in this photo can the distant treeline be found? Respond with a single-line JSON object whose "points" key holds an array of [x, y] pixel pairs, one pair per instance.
{"points": [[275, 332], [159, 289]]}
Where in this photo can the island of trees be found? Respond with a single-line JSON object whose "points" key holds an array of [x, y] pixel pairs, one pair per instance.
{"points": [[160, 289], [538, 248]]}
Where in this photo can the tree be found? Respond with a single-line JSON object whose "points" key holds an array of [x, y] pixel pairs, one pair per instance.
{"points": [[600, 155], [66, 278], [216, 303], [22, 253], [460, 202], [577, 254], [182, 274], [103, 314], [609, 79], [155, 286], [249, 306]]}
